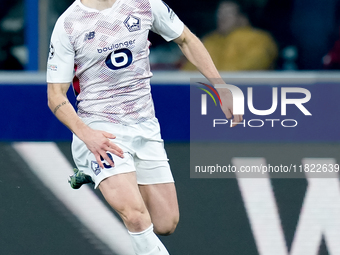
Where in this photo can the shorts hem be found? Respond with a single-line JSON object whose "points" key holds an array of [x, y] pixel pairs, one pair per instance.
{"points": [[155, 182], [107, 175]]}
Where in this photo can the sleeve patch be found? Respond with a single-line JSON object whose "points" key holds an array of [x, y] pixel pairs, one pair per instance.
{"points": [[52, 51], [52, 67]]}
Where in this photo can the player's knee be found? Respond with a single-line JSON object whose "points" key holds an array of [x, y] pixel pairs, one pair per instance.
{"points": [[166, 228], [136, 220]]}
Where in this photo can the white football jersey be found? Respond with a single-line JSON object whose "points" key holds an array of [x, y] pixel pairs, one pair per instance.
{"points": [[105, 54]]}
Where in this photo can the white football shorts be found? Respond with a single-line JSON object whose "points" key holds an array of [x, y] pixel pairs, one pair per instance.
{"points": [[143, 152]]}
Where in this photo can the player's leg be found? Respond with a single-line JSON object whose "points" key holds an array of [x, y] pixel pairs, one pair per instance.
{"points": [[122, 193], [119, 186], [155, 179], [156, 185], [161, 202]]}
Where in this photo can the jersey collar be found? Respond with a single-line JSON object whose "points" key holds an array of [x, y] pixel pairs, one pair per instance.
{"points": [[82, 6]]}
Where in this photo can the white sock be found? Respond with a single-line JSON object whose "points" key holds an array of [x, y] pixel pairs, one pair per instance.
{"points": [[147, 243]]}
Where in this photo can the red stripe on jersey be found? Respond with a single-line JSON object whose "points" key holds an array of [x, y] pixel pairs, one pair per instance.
{"points": [[76, 86]]}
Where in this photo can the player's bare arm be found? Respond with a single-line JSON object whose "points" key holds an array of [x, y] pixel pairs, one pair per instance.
{"points": [[197, 54], [97, 141]]}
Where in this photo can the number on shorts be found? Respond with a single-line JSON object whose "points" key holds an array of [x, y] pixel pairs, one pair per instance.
{"points": [[103, 160]]}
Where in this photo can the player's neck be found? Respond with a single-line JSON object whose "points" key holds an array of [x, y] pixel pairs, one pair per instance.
{"points": [[98, 4]]}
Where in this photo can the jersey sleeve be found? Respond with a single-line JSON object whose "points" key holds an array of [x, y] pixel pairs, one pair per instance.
{"points": [[60, 63], [165, 22]]}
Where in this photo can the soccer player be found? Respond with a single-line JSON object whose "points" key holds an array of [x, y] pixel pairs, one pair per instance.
{"points": [[102, 46]]}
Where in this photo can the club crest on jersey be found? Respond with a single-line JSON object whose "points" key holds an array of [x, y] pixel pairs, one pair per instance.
{"points": [[132, 23]]}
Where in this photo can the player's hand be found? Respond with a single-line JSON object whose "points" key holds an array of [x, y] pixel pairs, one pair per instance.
{"points": [[98, 142], [227, 105]]}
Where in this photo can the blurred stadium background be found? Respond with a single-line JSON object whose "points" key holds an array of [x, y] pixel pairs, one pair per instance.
{"points": [[40, 214]]}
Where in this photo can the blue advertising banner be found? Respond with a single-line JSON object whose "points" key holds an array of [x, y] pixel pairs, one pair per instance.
{"points": [[26, 116]]}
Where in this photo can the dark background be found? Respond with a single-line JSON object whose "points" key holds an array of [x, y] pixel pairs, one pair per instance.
{"points": [[312, 26]]}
